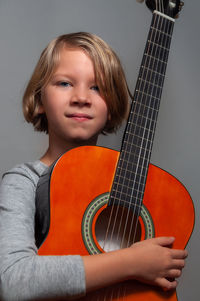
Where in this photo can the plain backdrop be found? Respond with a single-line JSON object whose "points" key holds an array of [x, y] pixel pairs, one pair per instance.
{"points": [[26, 27]]}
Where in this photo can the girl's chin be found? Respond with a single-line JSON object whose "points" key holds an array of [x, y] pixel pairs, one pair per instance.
{"points": [[84, 140]]}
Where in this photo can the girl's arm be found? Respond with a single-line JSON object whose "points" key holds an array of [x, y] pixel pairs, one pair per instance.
{"points": [[23, 274], [150, 261]]}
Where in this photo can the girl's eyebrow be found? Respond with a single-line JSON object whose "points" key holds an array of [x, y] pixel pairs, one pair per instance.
{"points": [[61, 74]]}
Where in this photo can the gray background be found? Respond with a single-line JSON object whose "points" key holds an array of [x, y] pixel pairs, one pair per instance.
{"points": [[26, 27]]}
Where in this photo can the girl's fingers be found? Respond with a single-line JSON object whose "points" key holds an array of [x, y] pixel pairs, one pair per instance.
{"points": [[178, 263], [179, 254], [167, 284], [175, 273]]}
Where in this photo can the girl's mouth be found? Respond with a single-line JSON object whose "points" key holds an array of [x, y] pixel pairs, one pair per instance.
{"points": [[79, 116]]}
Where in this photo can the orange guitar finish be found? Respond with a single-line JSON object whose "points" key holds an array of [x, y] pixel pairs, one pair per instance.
{"points": [[84, 173]]}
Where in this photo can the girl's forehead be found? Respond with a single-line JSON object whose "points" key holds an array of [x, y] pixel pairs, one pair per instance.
{"points": [[68, 55], [74, 61]]}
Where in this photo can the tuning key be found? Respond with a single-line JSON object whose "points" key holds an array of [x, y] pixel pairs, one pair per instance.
{"points": [[181, 5]]}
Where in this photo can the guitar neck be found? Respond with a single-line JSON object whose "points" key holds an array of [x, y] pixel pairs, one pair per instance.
{"points": [[130, 177]]}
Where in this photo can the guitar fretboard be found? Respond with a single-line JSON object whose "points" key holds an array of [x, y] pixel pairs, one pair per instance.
{"points": [[130, 178]]}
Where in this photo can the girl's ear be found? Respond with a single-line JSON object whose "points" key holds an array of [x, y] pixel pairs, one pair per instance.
{"points": [[40, 109], [40, 104]]}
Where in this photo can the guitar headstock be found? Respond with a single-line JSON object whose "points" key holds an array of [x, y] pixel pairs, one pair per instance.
{"points": [[170, 8]]}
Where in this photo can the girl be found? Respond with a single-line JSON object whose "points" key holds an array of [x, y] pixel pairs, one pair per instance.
{"points": [[77, 91]]}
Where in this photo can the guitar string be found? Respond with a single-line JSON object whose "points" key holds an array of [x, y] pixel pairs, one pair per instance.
{"points": [[112, 292], [167, 41], [154, 124], [113, 229], [162, 79], [144, 156], [165, 54], [140, 88], [160, 91], [141, 109], [136, 227], [114, 223], [124, 290], [149, 113], [140, 143]]}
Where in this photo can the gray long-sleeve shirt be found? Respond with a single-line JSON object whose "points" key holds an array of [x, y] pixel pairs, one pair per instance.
{"points": [[23, 274]]}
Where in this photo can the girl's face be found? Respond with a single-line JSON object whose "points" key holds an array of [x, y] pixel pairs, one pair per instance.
{"points": [[75, 110]]}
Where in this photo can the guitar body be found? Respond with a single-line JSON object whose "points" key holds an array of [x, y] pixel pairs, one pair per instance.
{"points": [[79, 191]]}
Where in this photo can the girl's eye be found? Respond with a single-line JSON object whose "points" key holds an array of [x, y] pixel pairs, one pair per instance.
{"points": [[64, 84], [95, 88]]}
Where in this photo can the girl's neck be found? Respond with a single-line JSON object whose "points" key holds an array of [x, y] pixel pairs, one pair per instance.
{"points": [[57, 149]]}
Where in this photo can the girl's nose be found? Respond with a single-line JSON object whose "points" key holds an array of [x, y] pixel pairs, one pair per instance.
{"points": [[80, 96]]}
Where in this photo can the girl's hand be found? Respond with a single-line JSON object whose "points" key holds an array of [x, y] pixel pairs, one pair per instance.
{"points": [[150, 261], [154, 262]]}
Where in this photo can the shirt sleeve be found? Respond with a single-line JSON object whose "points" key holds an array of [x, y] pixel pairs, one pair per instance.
{"points": [[24, 274]]}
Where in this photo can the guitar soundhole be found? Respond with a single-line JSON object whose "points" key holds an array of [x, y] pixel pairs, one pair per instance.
{"points": [[117, 227]]}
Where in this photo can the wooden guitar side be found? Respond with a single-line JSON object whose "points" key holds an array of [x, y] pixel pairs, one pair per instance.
{"points": [[84, 173]]}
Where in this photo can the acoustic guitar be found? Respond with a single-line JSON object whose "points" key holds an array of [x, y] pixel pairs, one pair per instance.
{"points": [[102, 200]]}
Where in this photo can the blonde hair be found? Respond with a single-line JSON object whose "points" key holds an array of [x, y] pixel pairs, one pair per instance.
{"points": [[109, 76]]}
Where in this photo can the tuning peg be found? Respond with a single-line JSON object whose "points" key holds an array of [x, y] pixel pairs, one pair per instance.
{"points": [[181, 5], [180, 8], [140, 1]]}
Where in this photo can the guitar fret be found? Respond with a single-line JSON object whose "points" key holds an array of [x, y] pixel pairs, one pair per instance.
{"points": [[137, 196], [151, 76], [127, 168], [153, 84], [134, 167], [161, 32], [139, 133], [120, 178], [132, 178], [130, 148], [134, 136], [139, 147], [157, 67], [129, 203], [138, 178], [129, 153], [141, 118], [135, 160], [149, 95], [154, 58], [153, 71], [145, 112], [142, 101], [157, 45], [123, 198], [145, 106], [139, 127], [121, 190], [159, 38], [163, 22], [130, 167], [142, 122]]}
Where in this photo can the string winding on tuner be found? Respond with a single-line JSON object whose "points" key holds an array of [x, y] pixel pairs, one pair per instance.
{"points": [[181, 5]]}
